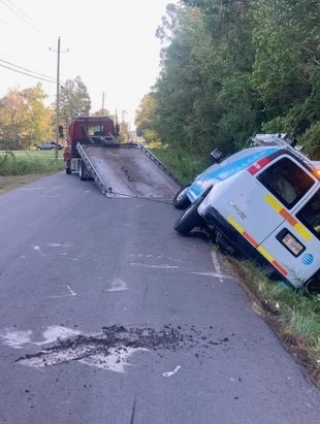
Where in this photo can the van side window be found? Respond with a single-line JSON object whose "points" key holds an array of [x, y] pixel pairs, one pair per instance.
{"points": [[310, 214], [286, 181]]}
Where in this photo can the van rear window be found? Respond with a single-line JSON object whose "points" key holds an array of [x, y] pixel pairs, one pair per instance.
{"points": [[286, 181], [310, 214]]}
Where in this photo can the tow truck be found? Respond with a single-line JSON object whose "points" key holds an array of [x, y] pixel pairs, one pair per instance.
{"points": [[118, 169]]}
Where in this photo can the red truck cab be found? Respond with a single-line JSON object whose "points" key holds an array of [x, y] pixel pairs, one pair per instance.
{"points": [[86, 130]]}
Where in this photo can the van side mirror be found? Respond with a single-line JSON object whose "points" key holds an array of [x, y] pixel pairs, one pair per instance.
{"points": [[216, 155]]}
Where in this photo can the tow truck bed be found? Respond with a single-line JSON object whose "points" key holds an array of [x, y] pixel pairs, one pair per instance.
{"points": [[128, 170]]}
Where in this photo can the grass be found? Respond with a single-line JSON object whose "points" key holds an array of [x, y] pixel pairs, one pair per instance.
{"points": [[294, 316], [9, 183], [21, 167], [182, 164], [20, 162]]}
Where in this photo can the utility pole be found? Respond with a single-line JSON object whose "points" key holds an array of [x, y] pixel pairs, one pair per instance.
{"points": [[58, 51], [103, 94], [58, 100]]}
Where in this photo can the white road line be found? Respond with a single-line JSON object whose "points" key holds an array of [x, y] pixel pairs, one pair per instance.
{"points": [[72, 293], [216, 265], [154, 266], [213, 275], [117, 285], [171, 373]]}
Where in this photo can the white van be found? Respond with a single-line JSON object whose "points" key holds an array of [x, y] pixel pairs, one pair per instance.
{"points": [[265, 202]]}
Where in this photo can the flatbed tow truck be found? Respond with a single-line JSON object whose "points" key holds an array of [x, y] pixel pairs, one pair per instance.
{"points": [[118, 169]]}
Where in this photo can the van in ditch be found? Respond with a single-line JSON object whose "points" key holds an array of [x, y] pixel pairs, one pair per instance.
{"points": [[264, 201]]}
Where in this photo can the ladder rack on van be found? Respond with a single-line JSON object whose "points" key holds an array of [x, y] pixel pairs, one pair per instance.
{"points": [[282, 140]]}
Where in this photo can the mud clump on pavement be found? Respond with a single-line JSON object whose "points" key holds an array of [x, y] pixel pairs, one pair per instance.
{"points": [[116, 343]]}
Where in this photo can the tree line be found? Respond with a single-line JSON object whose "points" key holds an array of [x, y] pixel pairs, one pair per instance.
{"points": [[26, 120], [231, 68]]}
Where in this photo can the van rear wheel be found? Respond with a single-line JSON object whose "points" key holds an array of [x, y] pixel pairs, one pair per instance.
{"points": [[313, 286], [189, 219]]}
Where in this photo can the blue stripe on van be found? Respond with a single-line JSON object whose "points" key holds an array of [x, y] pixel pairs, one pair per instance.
{"points": [[215, 175]]}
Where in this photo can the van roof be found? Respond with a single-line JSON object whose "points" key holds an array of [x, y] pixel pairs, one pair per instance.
{"points": [[282, 141]]}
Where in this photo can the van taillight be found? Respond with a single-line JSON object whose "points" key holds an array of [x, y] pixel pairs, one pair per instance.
{"points": [[259, 165]]}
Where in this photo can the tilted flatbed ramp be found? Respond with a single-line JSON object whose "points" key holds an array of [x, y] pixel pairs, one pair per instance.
{"points": [[128, 170]]}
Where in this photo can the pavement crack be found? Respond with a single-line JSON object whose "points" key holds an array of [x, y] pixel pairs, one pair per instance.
{"points": [[133, 412]]}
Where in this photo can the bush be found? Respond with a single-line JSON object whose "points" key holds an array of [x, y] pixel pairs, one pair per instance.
{"points": [[27, 164]]}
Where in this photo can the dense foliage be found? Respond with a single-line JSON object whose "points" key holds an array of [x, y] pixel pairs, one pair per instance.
{"points": [[27, 120], [231, 68]]}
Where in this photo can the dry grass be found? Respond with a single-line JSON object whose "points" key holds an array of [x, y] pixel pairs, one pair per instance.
{"points": [[12, 182]]}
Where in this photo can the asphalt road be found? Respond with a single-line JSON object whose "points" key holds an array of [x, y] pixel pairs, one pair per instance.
{"points": [[108, 316]]}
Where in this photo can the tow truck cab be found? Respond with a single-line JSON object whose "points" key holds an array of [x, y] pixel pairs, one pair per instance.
{"points": [[86, 130]]}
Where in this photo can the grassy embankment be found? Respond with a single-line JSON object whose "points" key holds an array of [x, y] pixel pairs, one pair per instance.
{"points": [[18, 168], [295, 317]]}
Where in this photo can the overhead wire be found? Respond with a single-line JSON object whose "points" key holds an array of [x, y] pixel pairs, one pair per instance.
{"points": [[27, 74], [5, 3], [26, 18], [21, 11], [27, 70]]}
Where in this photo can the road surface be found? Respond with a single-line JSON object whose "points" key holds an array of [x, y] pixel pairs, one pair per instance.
{"points": [[108, 316]]}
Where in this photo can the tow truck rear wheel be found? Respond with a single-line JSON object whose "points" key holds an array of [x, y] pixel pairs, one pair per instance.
{"points": [[181, 200], [189, 219], [82, 171]]}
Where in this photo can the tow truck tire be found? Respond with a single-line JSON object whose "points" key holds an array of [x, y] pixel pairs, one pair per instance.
{"points": [[82, 171], [189, 219], [181, 200], [68, 171]]}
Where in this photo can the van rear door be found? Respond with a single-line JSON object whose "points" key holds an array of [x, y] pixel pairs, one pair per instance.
{"points": [[265, 194], [296, 243]]}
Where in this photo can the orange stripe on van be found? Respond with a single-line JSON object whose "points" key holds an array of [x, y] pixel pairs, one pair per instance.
{"points": [[285, 214], [280, 268], [277, 206], [250, 239], [260, 249]]}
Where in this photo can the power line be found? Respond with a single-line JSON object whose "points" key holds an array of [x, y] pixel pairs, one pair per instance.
{"points": [[26, 18], [27, 70], [21, 11], [19, 15], [27, 74]]}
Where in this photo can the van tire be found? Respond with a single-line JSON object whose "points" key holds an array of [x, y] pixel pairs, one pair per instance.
{"points": [[189, 219], [68, 171], [313, 286], [181, 200]]}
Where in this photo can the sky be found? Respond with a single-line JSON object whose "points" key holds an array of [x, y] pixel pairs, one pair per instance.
{"points": [[111, 45]]}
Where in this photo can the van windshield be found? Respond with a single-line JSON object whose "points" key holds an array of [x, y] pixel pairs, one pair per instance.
{"points": [[310, 214], [286, 181]]}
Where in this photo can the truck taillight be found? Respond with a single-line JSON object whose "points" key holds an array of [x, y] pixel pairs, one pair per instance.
{"points": [[254, 169]]}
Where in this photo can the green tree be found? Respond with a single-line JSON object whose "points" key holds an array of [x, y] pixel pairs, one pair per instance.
{"points": [[38, 120], [234, 67], [145, 118], [25, 120], [74, 100]]}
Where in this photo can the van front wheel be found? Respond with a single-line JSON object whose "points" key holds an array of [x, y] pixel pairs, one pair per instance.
{"points": [[181, 200], [189, 219]]}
